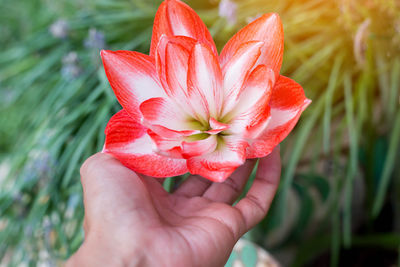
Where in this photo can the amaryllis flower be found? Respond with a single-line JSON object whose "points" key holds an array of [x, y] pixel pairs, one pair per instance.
{"points": [[188, 109]]}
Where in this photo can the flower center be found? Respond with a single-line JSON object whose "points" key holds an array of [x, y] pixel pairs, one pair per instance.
{"points": [[209, 129]]}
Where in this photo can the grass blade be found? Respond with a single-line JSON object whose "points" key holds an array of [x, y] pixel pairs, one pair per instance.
{"points": [[352, 165], [388, 167], [332, 85], [301, 138]]}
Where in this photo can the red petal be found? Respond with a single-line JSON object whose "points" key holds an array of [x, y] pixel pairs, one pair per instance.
{"points": [[183, 41], [176, 68], [216, 126], [172, 65], [175, 18], [133, 78], [218, 165], [169, 147], [175, 152], [199, 147], [168, 133], [237, 69], [287, 95], [205, 81], [267, 29], [179, 47], [128, 141], [252, 109], [164, 143], [287, 103], [166, 113]]}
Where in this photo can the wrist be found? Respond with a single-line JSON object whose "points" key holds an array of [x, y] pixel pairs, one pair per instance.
{"points": [[106, 254]]}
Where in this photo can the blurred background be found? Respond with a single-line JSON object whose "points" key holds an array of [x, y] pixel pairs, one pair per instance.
{"points": [[339, 199]]}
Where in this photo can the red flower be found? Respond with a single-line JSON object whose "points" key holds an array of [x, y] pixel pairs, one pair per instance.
{"points": [[187, 109]]}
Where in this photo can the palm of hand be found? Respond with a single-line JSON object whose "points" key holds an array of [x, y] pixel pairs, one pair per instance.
{"points": [[192, 228], [195, 225]]}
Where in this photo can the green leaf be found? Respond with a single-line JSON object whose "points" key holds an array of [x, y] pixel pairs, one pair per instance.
{"points": [[352, 164], [332, 85], [305, 213], [168, 184], [301, 138], [320, 183], [390, 163], [394, 88]]}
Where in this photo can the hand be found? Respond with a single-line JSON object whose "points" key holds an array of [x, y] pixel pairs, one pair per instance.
{"points": [[130, 220]]}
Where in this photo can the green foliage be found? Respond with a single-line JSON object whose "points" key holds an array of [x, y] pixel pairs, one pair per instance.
{"points": [[55, 102], [346, 57]]}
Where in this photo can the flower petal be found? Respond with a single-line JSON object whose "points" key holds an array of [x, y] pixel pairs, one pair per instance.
{"points": [[163, 143], [179, 47], [172, 66], [176, 69], [183, 41], [252, 109], [169, 147], [165, 118], [128, 141], [267, 29], [287, 103], [199, 147], [175, 18], [218, 165], [164, 112], [216, 126], [237, 69], [205, 81], [169, 133], [133, 78]]}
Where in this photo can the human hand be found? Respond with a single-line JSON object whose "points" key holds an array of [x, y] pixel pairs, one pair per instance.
{"points": [[130, 220]]}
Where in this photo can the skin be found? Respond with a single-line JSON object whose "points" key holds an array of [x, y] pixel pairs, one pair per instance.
{"points": [[130, 220]]}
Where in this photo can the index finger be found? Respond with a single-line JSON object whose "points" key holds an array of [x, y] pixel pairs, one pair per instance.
{"points": [[255, 205]]}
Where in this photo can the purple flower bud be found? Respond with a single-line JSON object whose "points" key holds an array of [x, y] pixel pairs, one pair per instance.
{"points": [[95, 39], [70, 66], [59, 29]]}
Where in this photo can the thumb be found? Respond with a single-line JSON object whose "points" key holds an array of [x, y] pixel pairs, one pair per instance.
{"points": [[110, 189]]}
